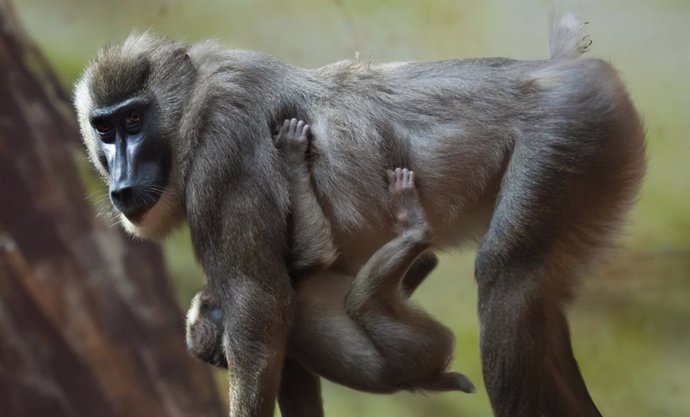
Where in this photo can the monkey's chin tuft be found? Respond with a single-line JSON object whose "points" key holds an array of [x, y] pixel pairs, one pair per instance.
{"points": [[159, 221]]}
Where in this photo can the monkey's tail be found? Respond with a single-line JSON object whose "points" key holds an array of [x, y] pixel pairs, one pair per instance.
{"points": [[567, 39]]}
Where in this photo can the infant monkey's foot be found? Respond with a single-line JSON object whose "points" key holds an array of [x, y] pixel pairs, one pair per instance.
{"points": [[449, 381], [293, 137], [402, 187]]}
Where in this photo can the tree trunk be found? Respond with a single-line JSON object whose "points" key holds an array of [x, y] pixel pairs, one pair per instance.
{"points": [[88, 322]]}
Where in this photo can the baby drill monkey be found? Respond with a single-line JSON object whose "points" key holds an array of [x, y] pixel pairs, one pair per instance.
{"points": [[358, 331]]}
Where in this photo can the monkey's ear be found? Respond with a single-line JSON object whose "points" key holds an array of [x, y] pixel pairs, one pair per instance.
{"points": [[180, 55], [181, 59]]}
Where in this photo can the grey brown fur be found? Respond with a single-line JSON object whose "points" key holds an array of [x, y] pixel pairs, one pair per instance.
{"points": [[539, 160], [359, 331]]}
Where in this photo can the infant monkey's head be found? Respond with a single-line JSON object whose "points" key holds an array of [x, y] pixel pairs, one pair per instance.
{"points": [[205, 329]]}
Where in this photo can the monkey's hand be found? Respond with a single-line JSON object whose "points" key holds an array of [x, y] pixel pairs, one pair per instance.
{"points": [[402, 188], [293, 139]]}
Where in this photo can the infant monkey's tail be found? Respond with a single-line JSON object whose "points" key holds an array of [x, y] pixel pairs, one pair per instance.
{"points": [[568, 39]]}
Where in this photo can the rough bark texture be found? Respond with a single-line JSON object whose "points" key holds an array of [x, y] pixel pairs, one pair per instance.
{"points": [[88, 322]]}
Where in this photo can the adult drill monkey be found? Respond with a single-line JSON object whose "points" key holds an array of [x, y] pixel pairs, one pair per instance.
{"points": [[539, 159]]}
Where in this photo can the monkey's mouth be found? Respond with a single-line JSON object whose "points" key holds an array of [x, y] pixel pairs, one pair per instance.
{"points": [[136, 202], [135, 216]]}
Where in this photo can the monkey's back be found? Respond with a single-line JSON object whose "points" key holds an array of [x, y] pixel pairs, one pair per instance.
{"points": [[455, 123]]}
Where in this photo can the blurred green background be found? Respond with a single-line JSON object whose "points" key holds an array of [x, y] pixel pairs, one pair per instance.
{"points": [[631, 325]]}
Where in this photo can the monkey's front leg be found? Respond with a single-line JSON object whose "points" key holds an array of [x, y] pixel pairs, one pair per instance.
{"points": [[254, 344], [243, 256], [300, 390]]}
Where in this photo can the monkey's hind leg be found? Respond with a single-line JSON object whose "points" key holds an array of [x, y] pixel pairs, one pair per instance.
{"points": [[420, 269], [559, 202], [415, 348]]}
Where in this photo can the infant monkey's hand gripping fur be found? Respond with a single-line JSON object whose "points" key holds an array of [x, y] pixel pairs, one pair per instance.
{"points": [[342, 320]]}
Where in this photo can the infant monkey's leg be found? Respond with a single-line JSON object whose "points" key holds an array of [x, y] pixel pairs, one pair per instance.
{"points": [[419, 270], [380, 277], [415, 347]]}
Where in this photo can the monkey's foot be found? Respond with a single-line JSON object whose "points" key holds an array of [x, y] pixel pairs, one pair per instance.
{"points": [[293, 137], [449, 381], [402, 187]]}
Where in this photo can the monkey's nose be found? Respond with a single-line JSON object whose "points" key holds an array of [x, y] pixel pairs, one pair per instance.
{"points": [[131, 198], [122, 196], [127, 200]]}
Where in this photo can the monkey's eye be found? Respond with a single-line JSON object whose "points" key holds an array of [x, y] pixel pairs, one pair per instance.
{"points": [[133, 121], [104, 128]]}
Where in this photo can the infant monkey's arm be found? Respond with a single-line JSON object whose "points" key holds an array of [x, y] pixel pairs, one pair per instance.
{"points": [[313, 248]]}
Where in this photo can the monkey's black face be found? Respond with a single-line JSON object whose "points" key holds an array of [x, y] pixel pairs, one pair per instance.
{"points": [[134, 153]]}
